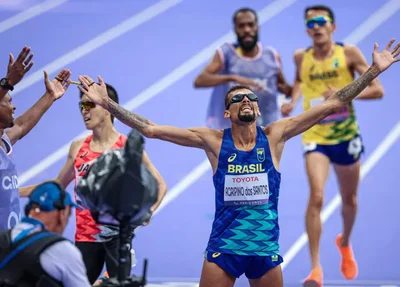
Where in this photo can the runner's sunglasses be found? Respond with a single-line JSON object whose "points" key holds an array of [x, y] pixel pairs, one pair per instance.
{"points": [[320, 21], [85, 105], [239, 97]]}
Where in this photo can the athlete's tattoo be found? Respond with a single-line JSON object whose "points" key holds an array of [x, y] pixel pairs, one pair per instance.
{"points": [[130, 119], [352, 90]]}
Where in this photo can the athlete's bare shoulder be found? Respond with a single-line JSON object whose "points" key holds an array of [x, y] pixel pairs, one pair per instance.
{"points": [[299, 52], [298, 56], [271, 130], [350, 48], [211, 143], [75, 146], [353, 55], [298, 59], [351, 51], [211, 137], [76, 143]]}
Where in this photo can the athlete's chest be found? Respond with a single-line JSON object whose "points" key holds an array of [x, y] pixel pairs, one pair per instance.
{"points": [[246, 177], [235, 162], [7, 163], [83, 161], [8, 174], [332, 69], [264, 67], [86, 157]]}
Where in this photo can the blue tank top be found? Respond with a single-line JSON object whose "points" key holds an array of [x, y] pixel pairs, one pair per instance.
{"points": [[247, 192], [264, 69], [10, 212]]}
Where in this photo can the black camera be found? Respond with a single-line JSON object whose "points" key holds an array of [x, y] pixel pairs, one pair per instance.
{"points": [[119, 191]]}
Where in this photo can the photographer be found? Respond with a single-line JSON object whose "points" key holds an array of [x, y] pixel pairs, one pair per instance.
{"points": [[34, 253]]}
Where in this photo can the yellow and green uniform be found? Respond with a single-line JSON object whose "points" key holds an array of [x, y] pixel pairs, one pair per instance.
{"points": [[316, 77]]}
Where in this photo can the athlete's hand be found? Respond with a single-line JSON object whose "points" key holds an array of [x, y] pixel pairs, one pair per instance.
{"points": [[386, 58], [18, 68], [57, 88], [286, 109], [95, 92]]}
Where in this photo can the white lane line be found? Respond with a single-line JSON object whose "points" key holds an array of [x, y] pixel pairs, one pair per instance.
{"points": [[98, 41], [29, 14]]}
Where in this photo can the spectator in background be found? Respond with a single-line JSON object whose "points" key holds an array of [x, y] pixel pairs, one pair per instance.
{"points": [[245, 62], [37, 239]]}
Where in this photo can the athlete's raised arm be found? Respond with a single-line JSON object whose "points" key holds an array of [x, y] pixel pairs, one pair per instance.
{"points": [[55, 89], [290, 127], [192, 137]]}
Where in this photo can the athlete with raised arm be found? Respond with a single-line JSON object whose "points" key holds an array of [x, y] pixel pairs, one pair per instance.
{"points": [[12, 130], [321, 69], [245, 162]]}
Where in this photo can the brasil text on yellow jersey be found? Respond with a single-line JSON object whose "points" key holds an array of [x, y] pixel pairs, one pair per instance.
{"points": [[316, 77]]}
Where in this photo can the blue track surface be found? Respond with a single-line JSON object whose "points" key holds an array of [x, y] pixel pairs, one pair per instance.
{"points": [[175, 240]]}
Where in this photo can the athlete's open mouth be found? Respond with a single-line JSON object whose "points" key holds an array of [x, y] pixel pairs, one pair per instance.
{"points": [[86, 119], [246, 108]]}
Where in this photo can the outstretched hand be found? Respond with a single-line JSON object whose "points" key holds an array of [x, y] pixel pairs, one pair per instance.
{"points": [[17, 69], [59, 85], [97, 93], [383, 60]]}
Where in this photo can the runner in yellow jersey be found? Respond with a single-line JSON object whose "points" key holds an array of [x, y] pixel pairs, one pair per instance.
{"points": [[321, 70]]}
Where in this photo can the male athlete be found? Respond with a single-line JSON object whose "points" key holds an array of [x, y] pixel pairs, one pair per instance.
{"points": [[245, 162], [12, 130], [97, 243], [321, 70], [245, 62]]}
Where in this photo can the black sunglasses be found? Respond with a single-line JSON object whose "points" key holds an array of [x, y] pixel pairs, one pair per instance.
{"points": [[239, 97], [83, 105]]}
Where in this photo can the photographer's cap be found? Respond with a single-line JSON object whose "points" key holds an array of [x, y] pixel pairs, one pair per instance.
{"points": [[48, 196]]}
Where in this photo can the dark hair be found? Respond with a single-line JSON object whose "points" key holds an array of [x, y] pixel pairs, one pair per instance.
{"points": [[235, 88], [322, 8], [244, 10], [112, 94]]}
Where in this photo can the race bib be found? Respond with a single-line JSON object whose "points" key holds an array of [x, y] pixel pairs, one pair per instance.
{"points": [[355, 147], [246, 189], [340, 116]]}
